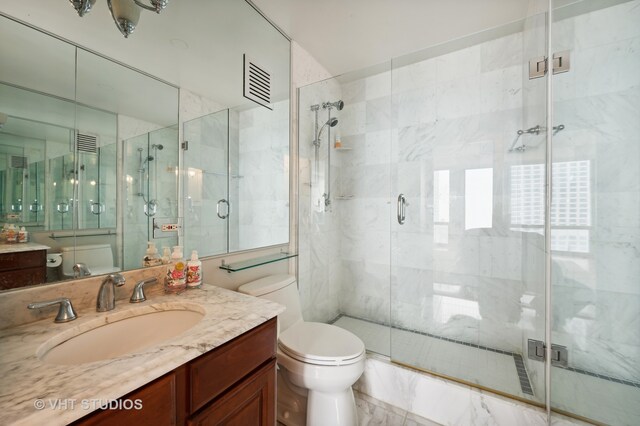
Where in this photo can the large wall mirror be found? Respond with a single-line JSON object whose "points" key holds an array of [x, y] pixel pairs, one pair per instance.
{"points": [[91, 149]]}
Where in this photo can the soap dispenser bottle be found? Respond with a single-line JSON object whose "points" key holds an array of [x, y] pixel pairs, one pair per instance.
{"points": [[194, 271], [176, 279]]}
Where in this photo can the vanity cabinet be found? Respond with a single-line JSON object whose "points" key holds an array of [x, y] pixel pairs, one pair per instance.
{"points": [[22, 268], [234, 384]]}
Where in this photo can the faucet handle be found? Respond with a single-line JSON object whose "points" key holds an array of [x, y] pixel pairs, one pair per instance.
{"points": [[65, 312], [138, 290]]}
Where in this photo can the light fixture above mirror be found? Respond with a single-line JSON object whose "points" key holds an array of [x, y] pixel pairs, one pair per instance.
{"points": [[125, 13]]}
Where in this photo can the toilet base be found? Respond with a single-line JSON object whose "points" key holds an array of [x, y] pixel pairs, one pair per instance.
{"points": [[335, 409]]}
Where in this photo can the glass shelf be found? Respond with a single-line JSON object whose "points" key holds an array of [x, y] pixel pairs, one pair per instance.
{"points": [[252, 263], [343, 149], [345, 197]]}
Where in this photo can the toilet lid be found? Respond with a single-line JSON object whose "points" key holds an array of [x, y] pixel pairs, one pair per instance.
{"points": [[317, 343]]}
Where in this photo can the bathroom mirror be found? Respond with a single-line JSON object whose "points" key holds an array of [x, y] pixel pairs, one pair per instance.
{"points": [[103, 158]]}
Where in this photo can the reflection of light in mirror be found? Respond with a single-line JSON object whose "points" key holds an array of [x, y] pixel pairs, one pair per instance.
{"points": [[92, 183], [478, 198], [55, 183], [446, 307], [129, 179]]}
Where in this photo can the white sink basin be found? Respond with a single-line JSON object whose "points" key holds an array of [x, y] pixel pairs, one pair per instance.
{"points": [[120, 334]]}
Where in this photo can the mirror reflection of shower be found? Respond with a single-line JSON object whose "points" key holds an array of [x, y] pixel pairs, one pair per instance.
{"points": [[145, 175], [317, 142]]}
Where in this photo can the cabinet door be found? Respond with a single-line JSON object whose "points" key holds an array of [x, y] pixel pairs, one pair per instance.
{"points": [[252, 402], [157, 402]]}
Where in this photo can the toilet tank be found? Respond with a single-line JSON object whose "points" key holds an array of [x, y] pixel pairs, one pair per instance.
{"points": [[281, 289], [97, 257]]}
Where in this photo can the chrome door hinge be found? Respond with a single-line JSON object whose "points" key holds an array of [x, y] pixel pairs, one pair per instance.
{"points": [[539, 66], [185, 145], [536, 351], [561, 62]]}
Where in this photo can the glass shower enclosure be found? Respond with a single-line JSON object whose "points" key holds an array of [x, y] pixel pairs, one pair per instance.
{"points": [[443, 249]]}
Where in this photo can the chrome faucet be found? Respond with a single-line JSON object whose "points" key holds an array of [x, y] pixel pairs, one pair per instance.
{"points": [[107, 294], [80, 270], [65, 312], [138, 290]]}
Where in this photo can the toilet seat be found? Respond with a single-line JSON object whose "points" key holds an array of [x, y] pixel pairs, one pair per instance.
{"points": [[321, 344]]}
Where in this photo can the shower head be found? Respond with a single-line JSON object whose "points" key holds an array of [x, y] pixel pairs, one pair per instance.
{"points": [[159, 147], [331, 122], [337, 105]]}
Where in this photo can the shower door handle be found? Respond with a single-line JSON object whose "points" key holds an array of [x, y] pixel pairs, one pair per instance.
{"points": [[226, 215], [402, 202]]}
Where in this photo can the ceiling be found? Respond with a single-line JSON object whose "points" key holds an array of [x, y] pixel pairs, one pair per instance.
{"points": [[346, 35], [194, 44]]}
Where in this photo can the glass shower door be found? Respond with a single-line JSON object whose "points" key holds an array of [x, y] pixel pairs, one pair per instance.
{"points": [[206, 190], [467, 225], [595, 214]]}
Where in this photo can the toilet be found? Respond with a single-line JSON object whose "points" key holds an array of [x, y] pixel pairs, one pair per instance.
{"points": [[317, 363], [97, 257]]}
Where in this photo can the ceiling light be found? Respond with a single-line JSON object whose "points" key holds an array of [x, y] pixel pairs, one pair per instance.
{"points": [[125, 13]]}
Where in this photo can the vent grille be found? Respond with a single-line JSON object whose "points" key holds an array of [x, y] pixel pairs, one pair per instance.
{"points": [[18, 162], [86, 142], [257, 83]]}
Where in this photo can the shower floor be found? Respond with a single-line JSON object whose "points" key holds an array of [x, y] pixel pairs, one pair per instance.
{"points": [[484, 367], [581, 392]]}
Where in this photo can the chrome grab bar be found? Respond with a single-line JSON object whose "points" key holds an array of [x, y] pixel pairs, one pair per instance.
{"points": [[402, 202], [226, 215]]}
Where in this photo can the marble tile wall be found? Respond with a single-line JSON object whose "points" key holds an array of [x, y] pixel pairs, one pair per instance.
{"points": [[597, 291], [262, 177]]}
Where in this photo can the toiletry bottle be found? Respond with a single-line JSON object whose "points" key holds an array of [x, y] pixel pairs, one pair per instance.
{"points": [[23, 235], [338, 142], [151, 257], [194, 271], [176, 279], [166, 255], [3, 233], [12, 234]]}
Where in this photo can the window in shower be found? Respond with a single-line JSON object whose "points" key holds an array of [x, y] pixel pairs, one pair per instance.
{"points": [[441, 206], [478, 198], [570, 208]]}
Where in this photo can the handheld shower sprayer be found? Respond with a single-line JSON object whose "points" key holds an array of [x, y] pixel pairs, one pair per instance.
{"points": [[332, 122]]}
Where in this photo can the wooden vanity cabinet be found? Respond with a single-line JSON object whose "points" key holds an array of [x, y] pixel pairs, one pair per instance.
{"points": [[234, 384], [22, 268]]}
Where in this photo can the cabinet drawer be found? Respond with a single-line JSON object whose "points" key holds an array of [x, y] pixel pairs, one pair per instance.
{"points": [[22, 260], [158, 406], [250, 403], [22, 277], [213, 373]]}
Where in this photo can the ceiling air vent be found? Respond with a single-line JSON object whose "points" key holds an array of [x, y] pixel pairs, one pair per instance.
{"points": [[86, 142], [18, 162], [257, 83]]}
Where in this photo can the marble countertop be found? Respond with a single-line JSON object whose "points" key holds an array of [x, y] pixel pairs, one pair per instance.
{"points": [[26, 381], [18, 247]]}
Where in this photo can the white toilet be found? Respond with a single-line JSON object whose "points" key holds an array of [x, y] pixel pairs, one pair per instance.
{"points": [[317, 363]]}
